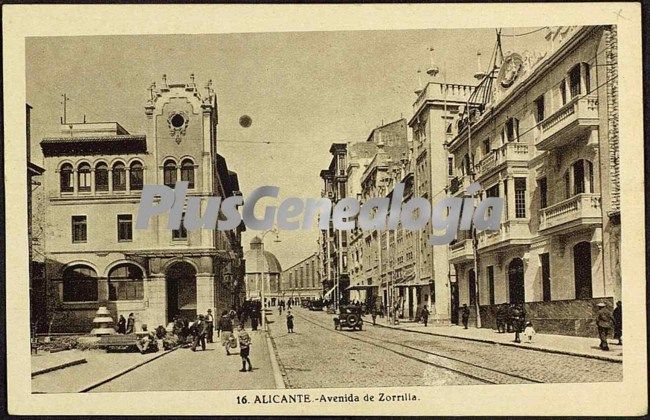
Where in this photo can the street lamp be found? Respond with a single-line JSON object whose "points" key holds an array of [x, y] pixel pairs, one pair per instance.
{"points": [[263, 272]]}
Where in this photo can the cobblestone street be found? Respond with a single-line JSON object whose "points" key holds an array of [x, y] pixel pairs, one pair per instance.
{"points": [[318, 356]]}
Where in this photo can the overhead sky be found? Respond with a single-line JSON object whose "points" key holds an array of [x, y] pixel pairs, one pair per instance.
{"points": [[303, 91]]}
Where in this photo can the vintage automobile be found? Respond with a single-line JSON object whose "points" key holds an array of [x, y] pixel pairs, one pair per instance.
{"points": [[349, 316], [316, 305]]}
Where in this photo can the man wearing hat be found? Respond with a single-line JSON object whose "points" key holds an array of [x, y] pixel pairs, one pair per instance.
{"points": [[604, 322], [201, 329], [209, 319]]}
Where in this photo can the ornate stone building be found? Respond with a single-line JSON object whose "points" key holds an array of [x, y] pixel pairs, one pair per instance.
{"points": [[547, 143], [94, 176]]}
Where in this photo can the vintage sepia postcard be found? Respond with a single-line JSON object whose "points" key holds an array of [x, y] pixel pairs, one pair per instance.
{"points": [[325, 209]]}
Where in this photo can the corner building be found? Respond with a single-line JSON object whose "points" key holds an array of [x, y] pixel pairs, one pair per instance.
{"points": [[547, 144], [94, 255]]}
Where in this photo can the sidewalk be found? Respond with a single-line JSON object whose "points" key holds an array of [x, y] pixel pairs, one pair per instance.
{"points": [[45, 362], [563, 344]]}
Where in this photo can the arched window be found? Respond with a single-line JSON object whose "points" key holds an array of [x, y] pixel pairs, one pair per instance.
{"points": [[169, 173], [83, 172], [66, 178], [119, 177], [579, 178], [79, 284], [187, 172], [136, 176], [125, 283], [101, 177]]}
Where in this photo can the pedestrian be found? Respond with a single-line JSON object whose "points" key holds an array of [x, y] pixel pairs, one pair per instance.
{"points": [[200, 331], [425, 315], [232, 313], [464, 315], [289, 322], [604, 322], [617, 315], [500, 319], [121, 325], [529, 332], [374, 317], [508, 317], [280, 309], [225, 328], [244, 349], [381, 310], [130, 324], [209, 320], [518, 319], [254, 320]]}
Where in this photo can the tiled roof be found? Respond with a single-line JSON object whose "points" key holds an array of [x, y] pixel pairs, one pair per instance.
{"points": [[90, 139]]}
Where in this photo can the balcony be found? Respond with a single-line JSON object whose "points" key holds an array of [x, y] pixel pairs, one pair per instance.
{"points": [[512, 232], [575, 212], [461, 251], [509, 153], [458, 184], [561, 128]]}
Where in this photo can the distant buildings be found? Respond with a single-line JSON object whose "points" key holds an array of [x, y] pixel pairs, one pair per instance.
{"points": [[94, 256], [302, 281], [263, 274]]}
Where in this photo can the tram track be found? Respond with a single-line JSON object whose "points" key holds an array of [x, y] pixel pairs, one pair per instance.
{"points": [[470, 370]]}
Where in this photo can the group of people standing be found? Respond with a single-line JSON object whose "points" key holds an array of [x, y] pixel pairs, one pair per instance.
{"points": [[126, 326]]}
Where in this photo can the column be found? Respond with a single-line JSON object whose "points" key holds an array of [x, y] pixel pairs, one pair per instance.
{"points": [[155, 293], [127, 172], [110, 180], [511, 197], [204, 294], [92, 181], [503, 194], [75, 181]]}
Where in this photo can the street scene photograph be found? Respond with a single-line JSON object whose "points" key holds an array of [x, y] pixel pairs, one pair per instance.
{"points": [[526, 116]]}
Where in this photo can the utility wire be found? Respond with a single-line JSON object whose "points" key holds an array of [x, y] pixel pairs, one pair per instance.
{"points": [[526, 33]]}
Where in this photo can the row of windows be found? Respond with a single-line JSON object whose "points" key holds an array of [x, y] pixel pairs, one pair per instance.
{"points": [[124, 229], [116, 176], [80, 283]]}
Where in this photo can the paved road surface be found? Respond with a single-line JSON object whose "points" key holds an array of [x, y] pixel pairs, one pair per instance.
{"points": [[317, 356]]}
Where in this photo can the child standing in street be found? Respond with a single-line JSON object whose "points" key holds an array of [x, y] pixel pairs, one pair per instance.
{"points": [[244, 348], [529, 332], [289, 322]]}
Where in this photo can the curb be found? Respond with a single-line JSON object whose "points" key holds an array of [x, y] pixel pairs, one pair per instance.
{"points": [[125, 371], [483, 340], [61, 366], [277, 374]]}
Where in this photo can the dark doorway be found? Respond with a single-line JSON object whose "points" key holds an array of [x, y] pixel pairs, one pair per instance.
{"points": [[516, 281], [181, 291], [454, 303], [471, 281], [582, 270]]}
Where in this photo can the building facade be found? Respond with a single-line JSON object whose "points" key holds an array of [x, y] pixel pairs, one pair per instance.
{"points": [[95, 257], [302, 281], [547, 143], [434, 113]]}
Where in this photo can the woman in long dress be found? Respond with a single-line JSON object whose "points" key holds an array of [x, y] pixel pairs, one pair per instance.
{"points": [[289, 322]]}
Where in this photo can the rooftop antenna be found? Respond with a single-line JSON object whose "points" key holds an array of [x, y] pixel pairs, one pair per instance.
{"points": [[433, 70], [479, 75], [419, 89], [64, 119]]}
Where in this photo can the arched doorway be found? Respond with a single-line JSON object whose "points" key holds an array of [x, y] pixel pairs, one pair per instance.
{"points": [[181, 291], [582, 270], [516, 281]]}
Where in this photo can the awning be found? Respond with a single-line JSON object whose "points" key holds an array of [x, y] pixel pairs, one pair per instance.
{"points": [[329, 292], [361, 287], [413, 283]]}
